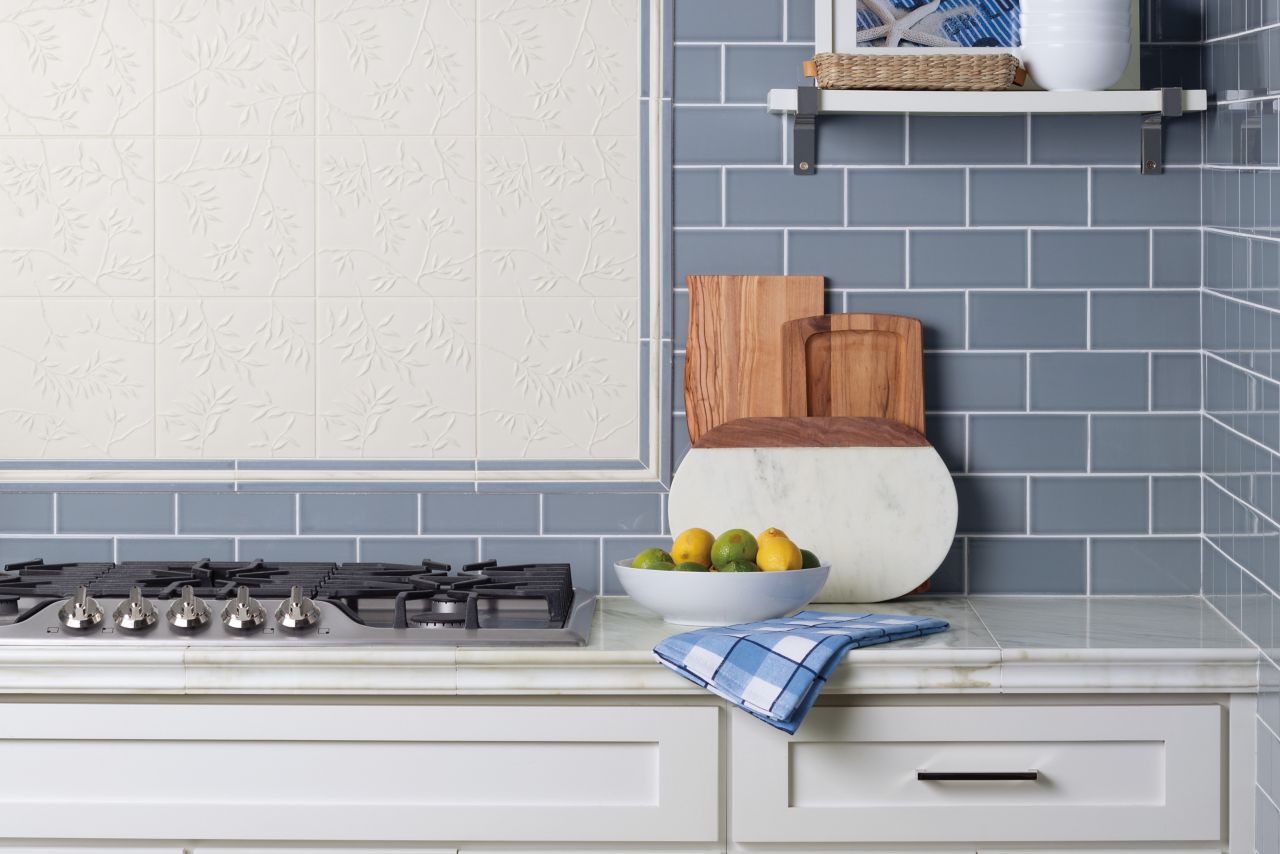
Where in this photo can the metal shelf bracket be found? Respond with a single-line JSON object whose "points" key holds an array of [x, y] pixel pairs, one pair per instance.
{"points": [[804, 136], [1153, 130]]}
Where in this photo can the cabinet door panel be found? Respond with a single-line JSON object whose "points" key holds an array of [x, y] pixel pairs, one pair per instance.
{"points": [[333, 773]]}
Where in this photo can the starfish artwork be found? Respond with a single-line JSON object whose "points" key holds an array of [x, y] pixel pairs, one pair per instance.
{"points": [[893, 30]]}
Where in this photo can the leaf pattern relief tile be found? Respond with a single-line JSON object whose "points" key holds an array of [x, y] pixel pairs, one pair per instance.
{"points": [[78, 378], [558, 378], [71, 67], [396, 66], [76, 217], [397, 378], [235, 217], [246, 66], [564, 67], [235, 378], [559, 216], [396, 216]]}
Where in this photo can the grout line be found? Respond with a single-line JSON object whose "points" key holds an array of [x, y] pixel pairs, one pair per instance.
{"points": [[419, 496], [297, 514], [1088, 566], [1151, 506], [175, 514], [54, 509]]}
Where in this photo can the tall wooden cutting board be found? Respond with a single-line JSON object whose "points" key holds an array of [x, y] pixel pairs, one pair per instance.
{"points": [[855, 366], [733, 358]]}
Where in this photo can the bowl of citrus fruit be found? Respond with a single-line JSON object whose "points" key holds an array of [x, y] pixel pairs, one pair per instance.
{"points": [[736, 577]]}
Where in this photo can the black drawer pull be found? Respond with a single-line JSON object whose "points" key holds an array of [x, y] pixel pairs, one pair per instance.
{"points": [[976, 776]]}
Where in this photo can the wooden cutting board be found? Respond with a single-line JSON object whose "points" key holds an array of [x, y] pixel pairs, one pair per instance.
{"points": [[733, 356], [856, 366], [871, 497]]}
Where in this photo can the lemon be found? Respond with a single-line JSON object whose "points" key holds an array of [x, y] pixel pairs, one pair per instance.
{"points": [[770, 534], [648, 559], [693, 546], [809, 560], [778, 555], [691, 566], [736, 544]]}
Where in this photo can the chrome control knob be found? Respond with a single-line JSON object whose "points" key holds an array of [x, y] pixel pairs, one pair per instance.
{"points": [[189, 612], [81, 612], [297, 613], [244, 613], [136, 614]]}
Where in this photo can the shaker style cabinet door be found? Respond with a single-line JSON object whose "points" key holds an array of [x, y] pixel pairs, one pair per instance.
{"points": [[981, 774], [303, 773]]}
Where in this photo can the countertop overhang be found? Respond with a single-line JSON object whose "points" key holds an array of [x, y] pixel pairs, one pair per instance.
{"points": [[1123, 645]]}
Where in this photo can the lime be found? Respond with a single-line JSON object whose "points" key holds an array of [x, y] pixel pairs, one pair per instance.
{"points": [[808, 560], [740, 566], [647, 558], [736, 544], [691, 566]]}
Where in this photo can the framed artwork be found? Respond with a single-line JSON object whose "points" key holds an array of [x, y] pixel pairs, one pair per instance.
{"points": [[982, 26]]}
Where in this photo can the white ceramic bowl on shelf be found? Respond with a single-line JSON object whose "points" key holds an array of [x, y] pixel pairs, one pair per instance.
{"points": [[1076, 66], [721, 598]]}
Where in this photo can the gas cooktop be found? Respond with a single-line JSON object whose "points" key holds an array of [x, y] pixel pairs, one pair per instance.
{"points": [[294, 603]]}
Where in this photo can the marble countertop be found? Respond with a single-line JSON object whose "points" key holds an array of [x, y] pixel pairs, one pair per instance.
{"points": [[995, 645]]}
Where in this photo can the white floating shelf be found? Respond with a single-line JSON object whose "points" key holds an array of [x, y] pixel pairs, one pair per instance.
{"points": [[1154, 105], [979, 103]]}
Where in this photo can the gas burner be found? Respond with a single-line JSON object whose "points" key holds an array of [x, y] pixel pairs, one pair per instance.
{"points": [[324, 603]]}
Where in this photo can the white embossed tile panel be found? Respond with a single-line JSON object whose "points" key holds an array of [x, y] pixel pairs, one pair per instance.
{"points": [[559, 216], [235, 217], [407, 66], [81, 67], [563, 67], [78, 378], [396, 378], [558, 378], [396, 217], [76, 217], [227, 67], [324, 230], [235, 377]]}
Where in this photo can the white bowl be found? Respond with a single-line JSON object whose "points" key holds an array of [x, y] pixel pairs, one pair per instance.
{"points": [[721, 598], [1076, 66]]}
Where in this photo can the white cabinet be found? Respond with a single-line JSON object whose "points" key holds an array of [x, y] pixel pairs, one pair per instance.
{"points": [[1071, 774], [329, 772]]}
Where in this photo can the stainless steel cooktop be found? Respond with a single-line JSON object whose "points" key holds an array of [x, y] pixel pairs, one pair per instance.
{"points": [[293, 604]]}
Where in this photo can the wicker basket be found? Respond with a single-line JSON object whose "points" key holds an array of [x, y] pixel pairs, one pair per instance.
{"points": [[957, 72]]}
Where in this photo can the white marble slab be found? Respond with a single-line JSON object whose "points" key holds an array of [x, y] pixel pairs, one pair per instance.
{"points": [[884, 518]]}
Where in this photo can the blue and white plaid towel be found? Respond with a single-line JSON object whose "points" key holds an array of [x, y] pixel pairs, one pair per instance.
{"points": [[775, 669]]}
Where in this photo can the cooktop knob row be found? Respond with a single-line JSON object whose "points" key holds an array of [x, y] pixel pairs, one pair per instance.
{"points": [[190, 613]]}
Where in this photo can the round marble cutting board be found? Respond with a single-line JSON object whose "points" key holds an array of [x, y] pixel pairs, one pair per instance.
{"points": [[883, 517]]}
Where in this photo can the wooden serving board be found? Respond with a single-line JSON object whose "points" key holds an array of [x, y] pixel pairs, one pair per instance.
{"points": [[733, 356], [856, 366]]}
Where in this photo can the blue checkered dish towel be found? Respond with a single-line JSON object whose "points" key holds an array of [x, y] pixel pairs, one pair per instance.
{"points": [[775, 669]]}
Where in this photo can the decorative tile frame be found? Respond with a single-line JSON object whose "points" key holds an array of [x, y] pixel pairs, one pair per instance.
{"points": [[218, 266]]}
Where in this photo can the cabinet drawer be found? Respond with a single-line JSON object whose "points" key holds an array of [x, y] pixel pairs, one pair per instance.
{"points": [[1101, 773], [388, 773]]}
